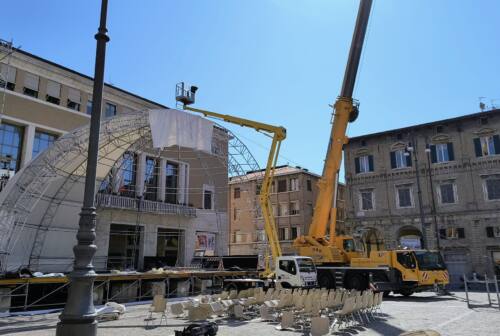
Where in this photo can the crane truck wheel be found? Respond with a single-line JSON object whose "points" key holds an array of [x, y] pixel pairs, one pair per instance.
{"points": [[356, 281], [326, 280], [406, 292]]}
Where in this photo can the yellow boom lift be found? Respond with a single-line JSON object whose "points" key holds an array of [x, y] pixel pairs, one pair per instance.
{"points": [[305, 275], [339, 262]]}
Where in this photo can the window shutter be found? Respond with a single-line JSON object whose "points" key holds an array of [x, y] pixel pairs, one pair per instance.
{"points": [[408, 160], [370, 163], [53, 89], [489, 232], [496, 143], [451, 154], [74, 95], [477, 147], [31, 81], [442, 233], [433, 154], [461, 232], [356, 164], [8, 73], [393, 160]]}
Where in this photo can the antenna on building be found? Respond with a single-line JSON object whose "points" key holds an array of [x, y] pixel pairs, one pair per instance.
{"points": [[482, 105]]}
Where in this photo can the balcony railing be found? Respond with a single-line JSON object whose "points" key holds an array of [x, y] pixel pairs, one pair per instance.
{"points": [[127, 203]]}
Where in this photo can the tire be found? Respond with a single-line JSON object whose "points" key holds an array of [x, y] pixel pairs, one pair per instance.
{"points": [[357, 282], [230, 286], [406, 292], [325, 280]]}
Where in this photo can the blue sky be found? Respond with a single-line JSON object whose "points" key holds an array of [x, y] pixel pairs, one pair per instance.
{"points": [[281, 62]]}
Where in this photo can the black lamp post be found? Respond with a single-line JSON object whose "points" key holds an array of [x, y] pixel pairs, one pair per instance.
{"points": [[411, 149], [79, 316]]}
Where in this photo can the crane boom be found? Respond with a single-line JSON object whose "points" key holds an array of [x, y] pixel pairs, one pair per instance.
{"points": [[315, 243], [278, 134]]}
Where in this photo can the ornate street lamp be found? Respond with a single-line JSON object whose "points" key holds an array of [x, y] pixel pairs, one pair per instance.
{"points": [[79, 316]]}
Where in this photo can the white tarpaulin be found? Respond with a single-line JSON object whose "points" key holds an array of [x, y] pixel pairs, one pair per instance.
{"points": [[171, 127]]}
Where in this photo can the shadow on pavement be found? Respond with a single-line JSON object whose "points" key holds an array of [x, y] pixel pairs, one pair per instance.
{"points": [[420, 298]]}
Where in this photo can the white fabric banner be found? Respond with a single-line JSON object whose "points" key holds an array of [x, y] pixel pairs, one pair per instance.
{"points": [[171, 127]]}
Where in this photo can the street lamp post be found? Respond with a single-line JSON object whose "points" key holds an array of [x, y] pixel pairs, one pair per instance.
{"points": [[411, 149], [79, 316]]}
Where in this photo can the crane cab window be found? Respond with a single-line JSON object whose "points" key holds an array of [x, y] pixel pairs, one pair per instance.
{"points": [[288, 266], [406, 259], [349, 245]]}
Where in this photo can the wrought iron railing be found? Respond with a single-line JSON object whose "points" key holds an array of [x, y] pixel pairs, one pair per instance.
{"points": [[127, 203]]}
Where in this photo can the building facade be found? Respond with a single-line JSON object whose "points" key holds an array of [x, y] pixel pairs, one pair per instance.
{"points": [[154, 206], [293, 194], [434, 185]]}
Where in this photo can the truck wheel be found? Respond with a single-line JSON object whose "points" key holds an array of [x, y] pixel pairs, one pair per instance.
{"points": [[406, 292], [325, 280], [357, 282], [231, 286]]}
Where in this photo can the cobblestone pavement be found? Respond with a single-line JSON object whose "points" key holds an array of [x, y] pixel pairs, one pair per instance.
{"points": [[448, 315]]}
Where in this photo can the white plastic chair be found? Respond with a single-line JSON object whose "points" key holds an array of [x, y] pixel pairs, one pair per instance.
{"points": [[320, 326], [158, 306]]}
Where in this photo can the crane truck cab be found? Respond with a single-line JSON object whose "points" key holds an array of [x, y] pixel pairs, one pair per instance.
{"points": [[295, 271]]}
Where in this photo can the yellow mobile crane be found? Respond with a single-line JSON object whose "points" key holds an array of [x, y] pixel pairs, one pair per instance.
{"points": [[339, 262], [304, 274]]}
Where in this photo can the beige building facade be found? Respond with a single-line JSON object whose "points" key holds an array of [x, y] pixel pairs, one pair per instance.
{"points": [[293, 194], [155, 207], [434, 185]]}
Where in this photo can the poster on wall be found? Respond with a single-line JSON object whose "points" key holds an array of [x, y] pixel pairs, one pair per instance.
{"points": [[206, 241]]}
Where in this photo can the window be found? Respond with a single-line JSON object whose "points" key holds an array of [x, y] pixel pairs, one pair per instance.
{"points": [[492, 188], [236, 214], [53, 92], [309, 185], [151, 179], [281, 186], [260, 235], [127, 171], [364, 164], [11, 143], [7, 77], [487, 145], [400, 159], [366, 199], [311, 208], [404, 196], [110, 110], [275, 210], [41, 142], [208, 199], [74, 99], [89, 107], [31, 85], [294, 208], [294, 184], [483, 121], [295, 232], [452, 233], [171, 173], [493, 231], [258, 187], [237, 192], [288, 266], [442, 152], [283, 234], [447, 193], [258, 211], [283, 209]]}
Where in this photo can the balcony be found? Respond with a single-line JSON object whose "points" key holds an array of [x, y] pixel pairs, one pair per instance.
{"points": [[127, 203]]}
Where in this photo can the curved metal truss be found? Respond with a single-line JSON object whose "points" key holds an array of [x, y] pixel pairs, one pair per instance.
{"points": [[34, 196]]}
